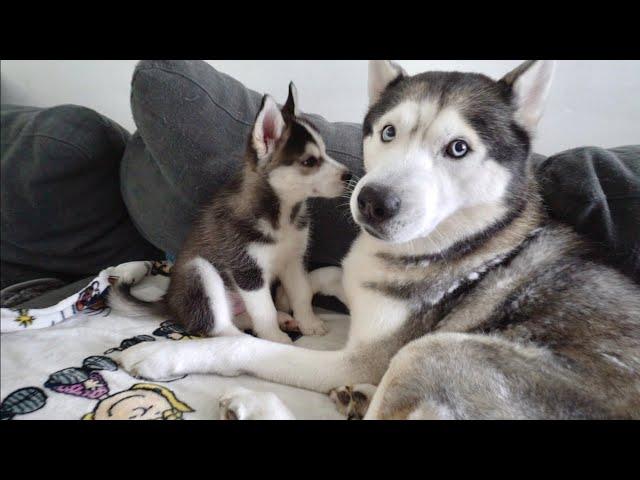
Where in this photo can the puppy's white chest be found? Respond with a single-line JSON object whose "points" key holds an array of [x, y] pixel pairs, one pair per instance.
{"points": [[289, 245]]}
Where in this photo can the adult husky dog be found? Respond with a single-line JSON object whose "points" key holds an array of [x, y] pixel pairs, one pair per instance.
{"points": [[466, 300]]}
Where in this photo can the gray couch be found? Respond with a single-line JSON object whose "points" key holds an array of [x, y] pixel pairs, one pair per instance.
{"points": [[79, 193]]}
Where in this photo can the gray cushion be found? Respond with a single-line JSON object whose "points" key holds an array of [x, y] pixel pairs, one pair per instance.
{"points": [[193, 123], [62, 214], [597, 191]]}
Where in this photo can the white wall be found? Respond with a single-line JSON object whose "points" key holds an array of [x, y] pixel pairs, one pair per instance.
{"points": [[591, 102]]}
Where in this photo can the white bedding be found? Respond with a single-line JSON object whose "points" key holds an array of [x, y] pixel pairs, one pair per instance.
{"points": [[62, 372]]}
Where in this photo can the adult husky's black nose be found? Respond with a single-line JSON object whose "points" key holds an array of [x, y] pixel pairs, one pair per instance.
{"points": [[346, 176], [377, 203]]}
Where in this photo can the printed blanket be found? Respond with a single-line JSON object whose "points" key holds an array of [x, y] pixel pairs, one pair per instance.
{"points": [[55, 364]]}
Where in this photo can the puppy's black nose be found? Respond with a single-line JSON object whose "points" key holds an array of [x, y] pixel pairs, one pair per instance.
{"points": [[346, 176], [377, 203]]}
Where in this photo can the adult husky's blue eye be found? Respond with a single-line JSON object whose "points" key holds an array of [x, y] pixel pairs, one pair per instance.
{"points": [[457, 149], [388, 133]]}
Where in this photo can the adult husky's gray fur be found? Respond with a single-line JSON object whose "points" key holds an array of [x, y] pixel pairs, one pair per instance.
{"points": [[253, 230], [466, 300]]}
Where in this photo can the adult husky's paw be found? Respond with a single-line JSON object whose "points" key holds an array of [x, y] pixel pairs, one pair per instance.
{"points": [[160, 362], [243, 404], [353, 400]]}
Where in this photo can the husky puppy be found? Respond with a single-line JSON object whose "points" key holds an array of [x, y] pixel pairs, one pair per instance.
{"points": [[466, 300], [254, 230]]}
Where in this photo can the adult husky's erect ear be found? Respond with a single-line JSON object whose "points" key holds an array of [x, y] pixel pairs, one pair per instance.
{"points": [[381, 74], [267, 129], [291, 105], [530, 84]]}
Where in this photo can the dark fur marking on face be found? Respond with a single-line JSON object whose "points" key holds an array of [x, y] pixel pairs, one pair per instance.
{"points": [[367, 128], [367, 124], [507, 143], [296, 143], [309, 123]]}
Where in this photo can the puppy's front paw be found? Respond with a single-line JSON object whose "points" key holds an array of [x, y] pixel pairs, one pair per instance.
{"points": [[243, 404], [150, 361], [353, 400], [288, 323], [130, 273], [312, 326]]}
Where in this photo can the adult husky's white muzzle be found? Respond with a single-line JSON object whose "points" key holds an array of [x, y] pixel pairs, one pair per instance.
{"points": [[394, 206]]}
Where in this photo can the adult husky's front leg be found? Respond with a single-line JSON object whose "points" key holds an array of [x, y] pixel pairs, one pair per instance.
{"points": [[230, 356]]}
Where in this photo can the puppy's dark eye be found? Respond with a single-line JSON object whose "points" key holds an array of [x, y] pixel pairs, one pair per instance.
{"points": [[309, 162], [457, 149], [388, 133]]}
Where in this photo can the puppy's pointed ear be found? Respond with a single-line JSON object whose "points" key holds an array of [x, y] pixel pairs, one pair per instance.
{"points": [[530, 84], [381, 74], [267, 129], [291, 105]]}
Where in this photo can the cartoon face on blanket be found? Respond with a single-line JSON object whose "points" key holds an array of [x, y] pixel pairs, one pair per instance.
{"points": [[143, 401]]}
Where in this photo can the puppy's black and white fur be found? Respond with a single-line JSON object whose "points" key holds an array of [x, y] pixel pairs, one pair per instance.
{"points": [[254, 230], [466, 299]]}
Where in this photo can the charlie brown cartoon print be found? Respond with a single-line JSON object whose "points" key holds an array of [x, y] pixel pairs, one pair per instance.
{"points": [[143, 401]]}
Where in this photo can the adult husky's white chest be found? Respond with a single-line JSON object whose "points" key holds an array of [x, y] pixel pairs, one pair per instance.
{"points": [[289, 245], [373, 315]]}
